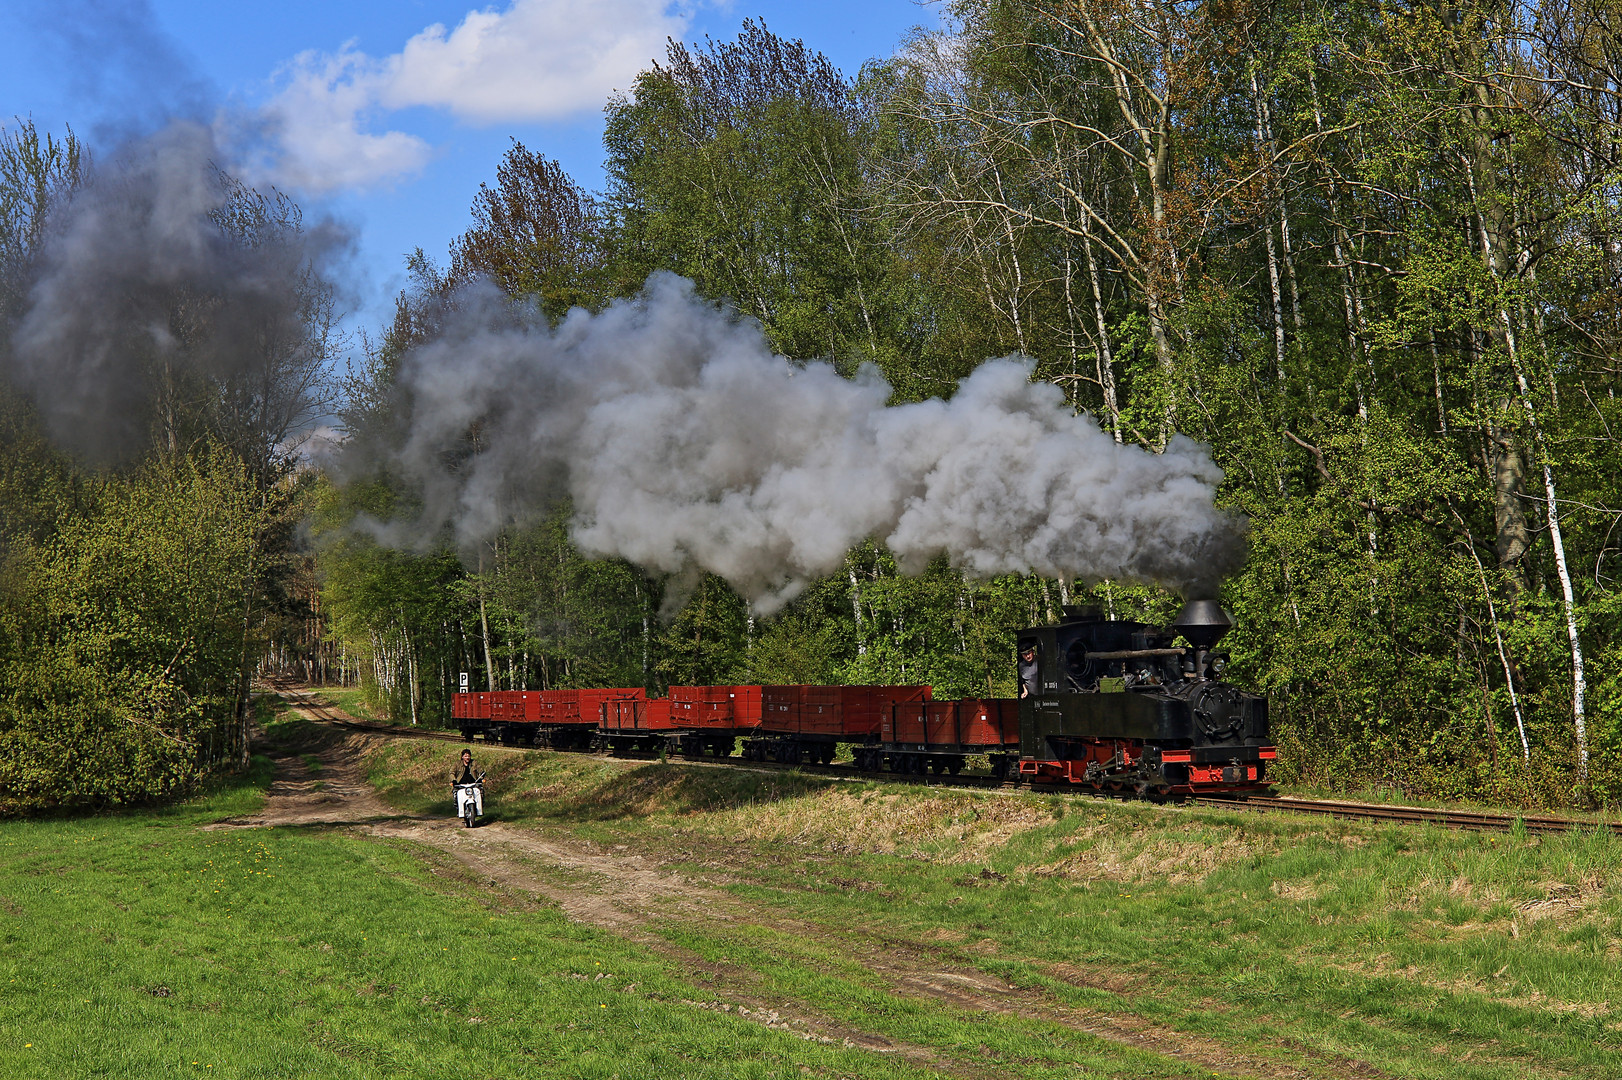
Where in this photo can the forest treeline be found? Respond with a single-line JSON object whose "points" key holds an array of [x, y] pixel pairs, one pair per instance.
{"points": [[1368, 253]]}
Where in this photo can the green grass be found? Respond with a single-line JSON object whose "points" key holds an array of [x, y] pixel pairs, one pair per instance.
{"points": [[1424, 952], [351, 701], [138, 945]]}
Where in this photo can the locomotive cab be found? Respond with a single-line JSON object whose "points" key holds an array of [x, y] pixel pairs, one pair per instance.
{"points": [[1118, 705]]}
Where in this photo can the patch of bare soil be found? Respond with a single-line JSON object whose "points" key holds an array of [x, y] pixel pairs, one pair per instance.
{"points": [[611, 890], [317, 782]]}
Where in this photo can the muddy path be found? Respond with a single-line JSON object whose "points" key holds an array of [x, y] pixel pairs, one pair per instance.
{"points": [[320, 781]]}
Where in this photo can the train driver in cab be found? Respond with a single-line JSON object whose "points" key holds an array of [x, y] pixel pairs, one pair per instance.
{"points": [[1029, 679]]}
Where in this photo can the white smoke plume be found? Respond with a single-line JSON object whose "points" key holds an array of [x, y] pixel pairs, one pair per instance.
{"points": [[684, 444]]}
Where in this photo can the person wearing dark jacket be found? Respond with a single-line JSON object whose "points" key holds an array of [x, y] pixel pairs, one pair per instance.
{"points": [[468, 777], [1028, 676]]}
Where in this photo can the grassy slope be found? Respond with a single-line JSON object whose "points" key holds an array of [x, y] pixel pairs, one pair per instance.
{"points": [[139, 946], [1419, 951], [352, 702]]}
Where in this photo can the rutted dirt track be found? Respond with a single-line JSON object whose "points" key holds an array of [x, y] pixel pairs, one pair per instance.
{"points": [[624, 893]]}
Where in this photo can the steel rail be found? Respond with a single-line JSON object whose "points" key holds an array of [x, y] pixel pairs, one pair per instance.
{"points": [[1473, 820]]}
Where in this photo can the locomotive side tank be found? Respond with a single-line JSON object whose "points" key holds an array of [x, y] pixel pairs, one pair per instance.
{"points": [[1118, 706]]}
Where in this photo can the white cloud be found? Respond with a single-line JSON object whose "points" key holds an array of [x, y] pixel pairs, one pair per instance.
{"points": [[537, 60], [316, 121]]}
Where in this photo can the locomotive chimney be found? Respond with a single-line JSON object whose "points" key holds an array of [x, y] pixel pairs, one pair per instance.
{"points": [[1202, 623]]}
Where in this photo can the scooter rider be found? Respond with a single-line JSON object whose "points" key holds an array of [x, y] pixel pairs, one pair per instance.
{"points": [[469, 778]]}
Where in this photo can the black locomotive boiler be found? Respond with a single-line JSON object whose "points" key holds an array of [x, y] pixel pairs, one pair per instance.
{"points": [[1118, 707]]}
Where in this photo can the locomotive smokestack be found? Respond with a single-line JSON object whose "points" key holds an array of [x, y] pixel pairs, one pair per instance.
{"points": [[1202, 623]]}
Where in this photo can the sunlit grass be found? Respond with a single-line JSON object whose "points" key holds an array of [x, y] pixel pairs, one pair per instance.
{"points": [[1423, 951], [140, 946]]}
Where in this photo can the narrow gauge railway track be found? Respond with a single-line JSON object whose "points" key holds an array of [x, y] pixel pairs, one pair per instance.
{"points": [[1413, 815], [1471, 820]]}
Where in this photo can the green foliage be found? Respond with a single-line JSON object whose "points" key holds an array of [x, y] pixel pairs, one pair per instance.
{"points": [[134, 605], [124, 639]]}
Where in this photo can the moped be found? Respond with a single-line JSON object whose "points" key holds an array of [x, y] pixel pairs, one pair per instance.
{"points": [[468, 799]]}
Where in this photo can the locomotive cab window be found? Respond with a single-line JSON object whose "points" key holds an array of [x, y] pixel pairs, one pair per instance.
{"points": [[1030, 668]]}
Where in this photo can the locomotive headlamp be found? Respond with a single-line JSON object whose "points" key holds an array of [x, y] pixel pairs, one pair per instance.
{"points": [[1218, 665]]}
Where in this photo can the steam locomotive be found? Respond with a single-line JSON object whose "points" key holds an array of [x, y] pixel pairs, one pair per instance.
{"points": [[1106, 706], [1118, 707]]}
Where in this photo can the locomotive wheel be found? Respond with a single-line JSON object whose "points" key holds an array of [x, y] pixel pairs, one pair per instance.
{"points": [[956, 766]]}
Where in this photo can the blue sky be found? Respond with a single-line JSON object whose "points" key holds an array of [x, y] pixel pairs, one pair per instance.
{"points": [[366, 110]]}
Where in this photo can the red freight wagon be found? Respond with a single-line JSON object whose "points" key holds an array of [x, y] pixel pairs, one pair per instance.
{"points": [[801, 710], [972, 725], [936, 736], [560, 706], [517, 706], [636, 714], [589, 703], [844, 713], [474, 706], [498, 704], [746, 707], [701, 706], [715, 708], [867, 707]]}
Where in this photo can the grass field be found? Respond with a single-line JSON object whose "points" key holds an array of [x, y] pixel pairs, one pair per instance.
{"points": [[834, 929], [141, 945], [1349, 948]]}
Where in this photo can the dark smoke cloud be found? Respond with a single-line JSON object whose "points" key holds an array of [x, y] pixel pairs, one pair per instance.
{"points": [[145, 283], [684, 444]]}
